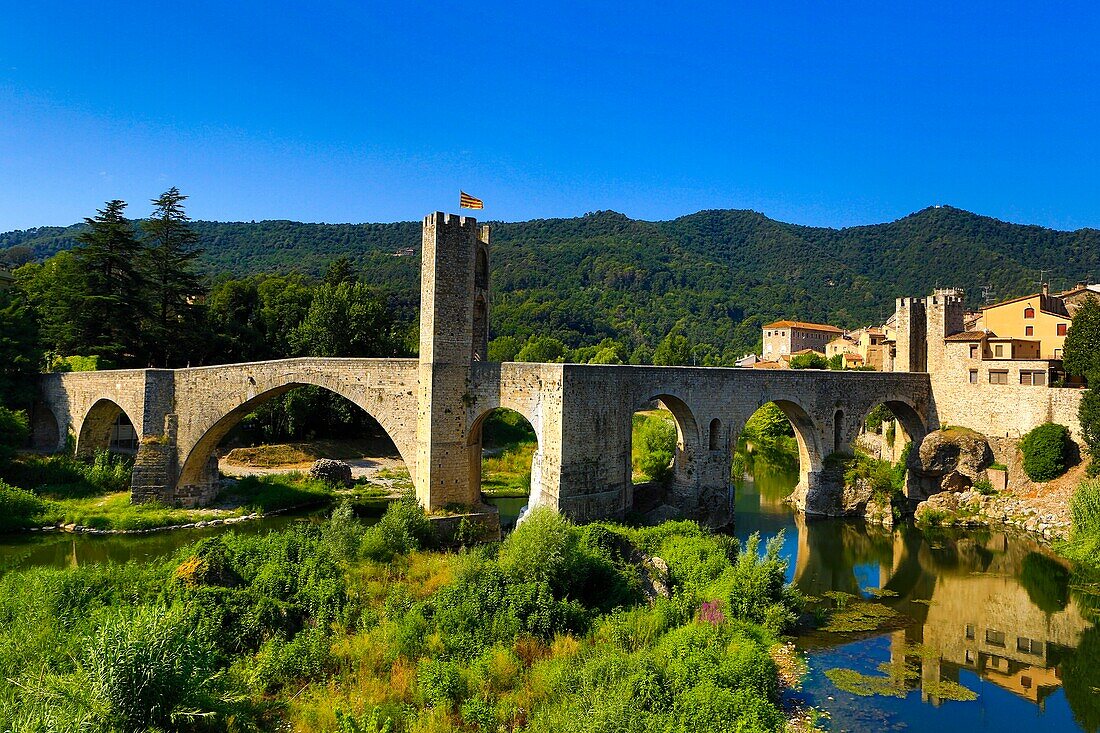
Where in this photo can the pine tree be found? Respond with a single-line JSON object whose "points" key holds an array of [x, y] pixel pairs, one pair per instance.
{"points": [[106, 299], [175, 288]]}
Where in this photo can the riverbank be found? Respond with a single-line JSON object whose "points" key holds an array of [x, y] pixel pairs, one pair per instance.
{"points": [[564, 627]]}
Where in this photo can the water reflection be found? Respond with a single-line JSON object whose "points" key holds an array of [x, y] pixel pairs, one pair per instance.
{"points": [[990, 632]]}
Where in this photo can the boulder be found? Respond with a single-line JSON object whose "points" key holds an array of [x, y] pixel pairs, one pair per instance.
{"points": [[951, 460], [335, 473]]}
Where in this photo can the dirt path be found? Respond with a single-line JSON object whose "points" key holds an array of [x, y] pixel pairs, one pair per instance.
{"points": [[366, 467]]}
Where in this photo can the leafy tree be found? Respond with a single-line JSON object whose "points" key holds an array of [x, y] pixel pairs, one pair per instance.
{"points": [[543, 350], [674, 350], [109, 300], [768, 423], [174, 284], [836, 362], [347, 320], [340, 270], [20, 354], [808, 361], [504, 348], [1081, 354], [658, 446], [14, 432], [1088, 414]]}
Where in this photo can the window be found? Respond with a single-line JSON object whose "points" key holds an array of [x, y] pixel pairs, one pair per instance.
{"points": [[998, 377], [999, 350], [970, 632], [973, 376], [1057, 353], [970, 657], [1029, 330], [994, 638], [1061, 329], [1029, 646], [1025, 682], [1033, 379], [973, 351], [1029, 312]]}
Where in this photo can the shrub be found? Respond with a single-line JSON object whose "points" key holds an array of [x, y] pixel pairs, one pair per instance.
{"points": [[1045, 450], [14, 431], [404, 527], [1085, 522], [984, 486], [658, 445], [758, 586], [440, 682], [149, 669], [809, 361], [18, 508]]}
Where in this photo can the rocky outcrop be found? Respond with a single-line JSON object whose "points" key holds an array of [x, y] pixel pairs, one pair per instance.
{"points": [[332, 472], [950, 460], [973, 509]]}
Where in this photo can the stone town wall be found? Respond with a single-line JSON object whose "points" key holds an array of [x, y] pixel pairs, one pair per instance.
{"points": [[1003, 410]]}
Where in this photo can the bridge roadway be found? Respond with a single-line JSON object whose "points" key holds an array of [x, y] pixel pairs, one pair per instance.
{"points": [[581, 415]]}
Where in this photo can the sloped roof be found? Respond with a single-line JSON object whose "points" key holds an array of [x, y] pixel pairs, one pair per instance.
{"points": [[1051, 304], [970, 336], [804, 325]]}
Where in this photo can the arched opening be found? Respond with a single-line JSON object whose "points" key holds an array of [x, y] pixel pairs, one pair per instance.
{"points": [[107, 427], [661, 464], [505, 462], [886, 433], [715, 442], [45, 431], [480, 340], [766, 461], [481, 273], [280, 434]]}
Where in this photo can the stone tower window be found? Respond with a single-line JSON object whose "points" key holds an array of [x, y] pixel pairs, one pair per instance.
{"points": [[481, 274]]}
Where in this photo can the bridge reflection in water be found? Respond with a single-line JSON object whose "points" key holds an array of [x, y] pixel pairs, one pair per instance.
{"points": [[995, 613]]}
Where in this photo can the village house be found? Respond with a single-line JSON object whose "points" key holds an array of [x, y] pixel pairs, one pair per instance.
{"points": [[863, 347], [790, 337], [1040, 318]]}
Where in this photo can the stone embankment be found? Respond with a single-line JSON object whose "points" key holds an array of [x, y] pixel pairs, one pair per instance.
{"points": [[972, 509]]}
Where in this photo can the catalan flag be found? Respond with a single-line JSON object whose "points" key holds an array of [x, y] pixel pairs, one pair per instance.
{"points": [[466, 201]]}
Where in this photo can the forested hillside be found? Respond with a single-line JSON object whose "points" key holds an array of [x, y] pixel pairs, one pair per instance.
{"points": [[715, 275]]}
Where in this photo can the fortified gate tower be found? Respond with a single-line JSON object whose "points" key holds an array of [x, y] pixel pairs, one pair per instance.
{"points": [[454, 333]]}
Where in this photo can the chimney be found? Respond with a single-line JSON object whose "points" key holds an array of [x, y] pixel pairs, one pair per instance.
{"points": [[1046, 288]]}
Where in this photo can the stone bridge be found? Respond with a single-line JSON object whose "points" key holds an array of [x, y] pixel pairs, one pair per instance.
{"points": [[433, 407]]}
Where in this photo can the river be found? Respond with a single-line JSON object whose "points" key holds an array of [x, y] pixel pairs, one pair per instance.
{"points": [[989, 612]]}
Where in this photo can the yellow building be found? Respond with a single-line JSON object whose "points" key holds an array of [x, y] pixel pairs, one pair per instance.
{"points": [[863, 347], [1041, 317]]}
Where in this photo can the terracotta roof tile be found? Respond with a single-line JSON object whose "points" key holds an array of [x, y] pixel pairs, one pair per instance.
{"points": [[804, 325]]}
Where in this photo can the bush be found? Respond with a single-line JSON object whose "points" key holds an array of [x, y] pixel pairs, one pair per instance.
{"points": [[1084, 538], [1045, 450], [809, 361], [404, 527], [758, 586], [14, 432], [19, 508], [658, 445], [149, 669]]}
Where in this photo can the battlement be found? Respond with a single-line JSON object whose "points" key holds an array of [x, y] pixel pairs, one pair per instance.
{"points": [[439, 218]]}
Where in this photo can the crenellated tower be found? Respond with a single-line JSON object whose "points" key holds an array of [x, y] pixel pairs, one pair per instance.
{"points": [[454, 333]]}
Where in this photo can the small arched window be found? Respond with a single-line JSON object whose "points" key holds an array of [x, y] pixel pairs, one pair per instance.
{"points": [[481, 274], [715, 433], [1029, 312]]}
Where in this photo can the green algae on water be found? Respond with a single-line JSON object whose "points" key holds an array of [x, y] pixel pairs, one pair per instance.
{"points": [[860, 616]]}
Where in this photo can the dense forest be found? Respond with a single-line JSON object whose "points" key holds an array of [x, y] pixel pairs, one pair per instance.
{"points": [[713, 277]]}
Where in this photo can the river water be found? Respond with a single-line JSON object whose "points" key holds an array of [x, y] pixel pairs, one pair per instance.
{"points": [[993, 613]]}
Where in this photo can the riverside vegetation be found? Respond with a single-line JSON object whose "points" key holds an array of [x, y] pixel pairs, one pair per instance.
{"points": [[342, 627]]}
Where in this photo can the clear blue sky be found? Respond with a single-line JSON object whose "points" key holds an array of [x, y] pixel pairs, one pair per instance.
{"points": [[817, 113]]}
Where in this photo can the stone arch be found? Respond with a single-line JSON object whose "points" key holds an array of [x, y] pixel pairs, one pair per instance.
{"points": [[687, 437], [913, 425], [45, 429], [809, 439], [474, 446], [198, 472], [100, 427]]}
